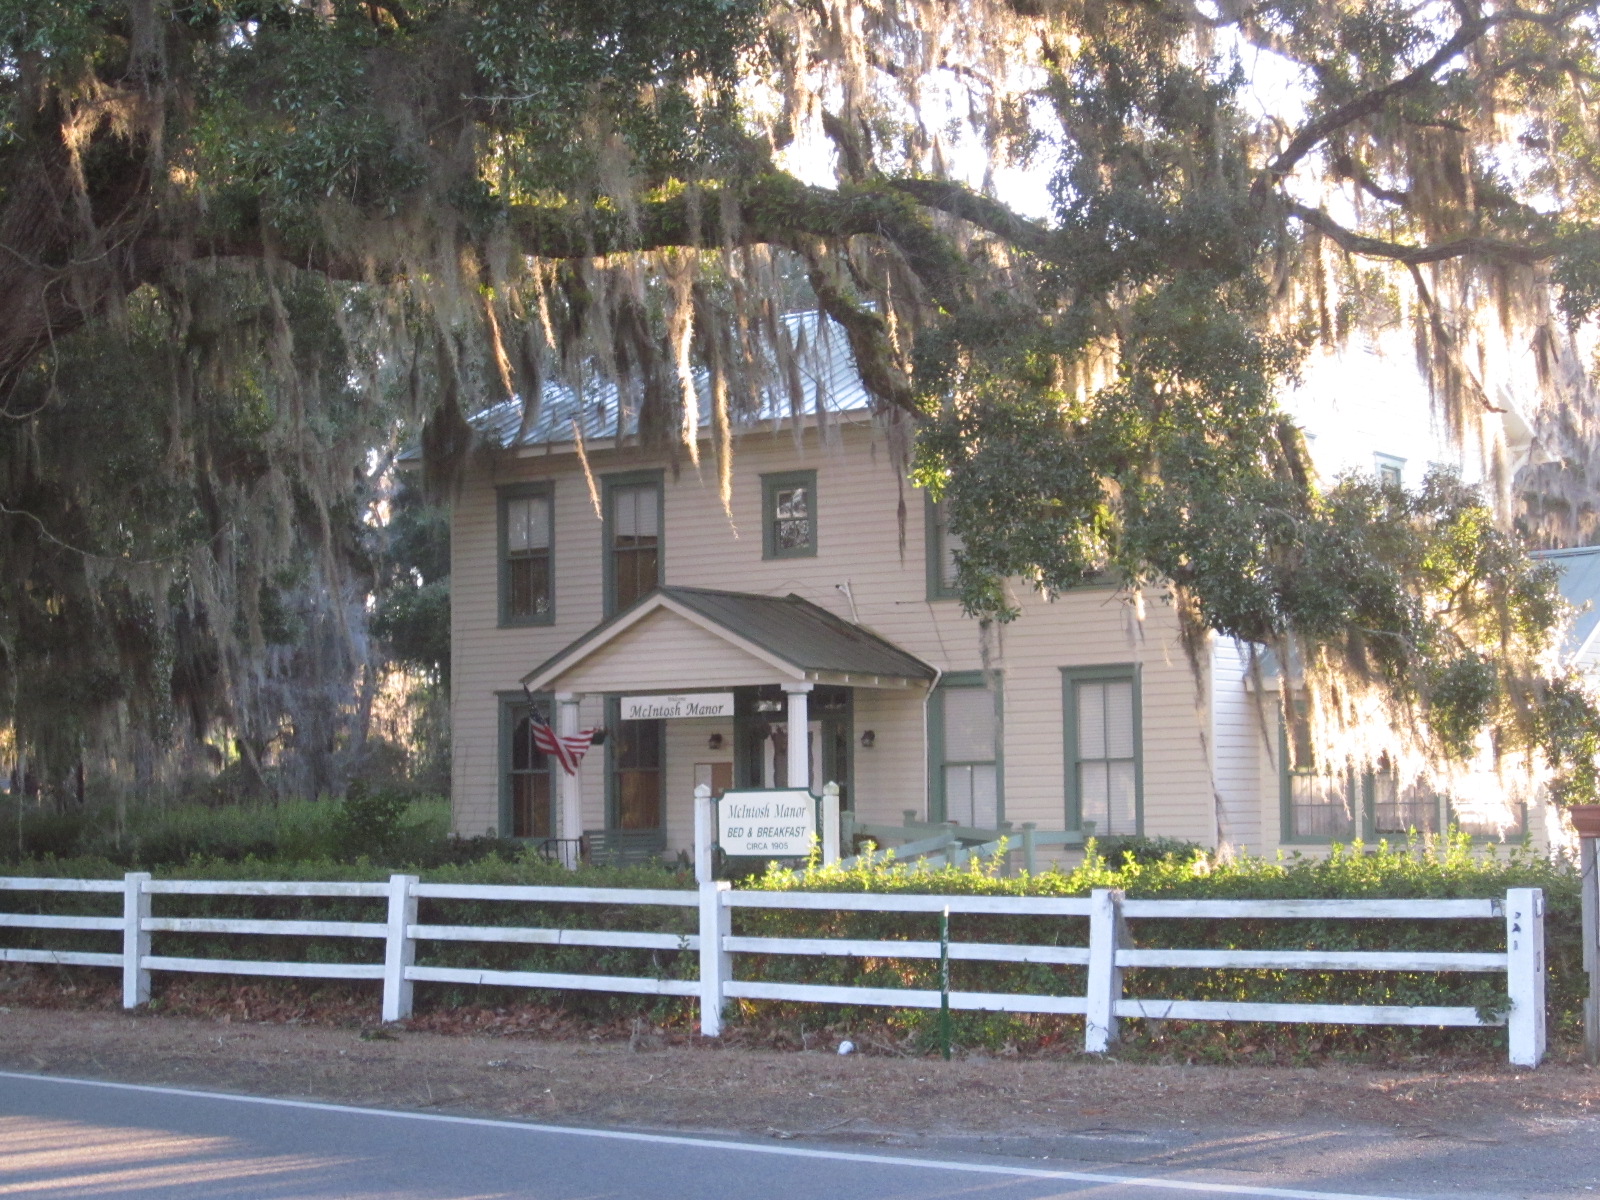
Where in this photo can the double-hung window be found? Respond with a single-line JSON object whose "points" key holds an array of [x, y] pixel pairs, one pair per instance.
{"points": [[789, 515], [633, 538], [527, 581], [1104, 781], [527, 789], [943, 544], [965, 770]]}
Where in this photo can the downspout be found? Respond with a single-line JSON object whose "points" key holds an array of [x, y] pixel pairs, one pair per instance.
{"points": [[927, 749]]}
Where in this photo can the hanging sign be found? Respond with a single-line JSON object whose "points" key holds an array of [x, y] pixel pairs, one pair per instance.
{"points": [[767, 823], [667, 708]]}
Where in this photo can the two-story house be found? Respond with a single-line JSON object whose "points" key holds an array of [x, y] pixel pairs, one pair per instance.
{"points": [[808, 633]]}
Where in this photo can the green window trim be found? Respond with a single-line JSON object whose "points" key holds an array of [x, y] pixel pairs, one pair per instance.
{"points": [[1071, 677], [933, 544], [771, 486], [510, 705], [608, 488], [503, 498], [937, 807]]}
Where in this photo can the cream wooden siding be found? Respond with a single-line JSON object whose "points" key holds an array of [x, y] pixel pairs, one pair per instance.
{"points": [[859, 544], [1235, 747], [666, 652]]}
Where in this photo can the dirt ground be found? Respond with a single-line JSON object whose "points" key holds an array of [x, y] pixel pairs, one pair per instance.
{"points": [[644, 1081]]}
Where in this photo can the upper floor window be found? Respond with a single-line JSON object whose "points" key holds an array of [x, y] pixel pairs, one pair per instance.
{"points": [[527, 585], [1390, 470], [1104, 771], [789, 515], [943, 545], [633, 538], [965, 772]]}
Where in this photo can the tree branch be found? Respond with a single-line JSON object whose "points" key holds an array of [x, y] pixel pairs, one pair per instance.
{"points": [[1352, 242]]}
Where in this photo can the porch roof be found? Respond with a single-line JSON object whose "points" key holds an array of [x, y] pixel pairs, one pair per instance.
{"points": [[793, 637]]}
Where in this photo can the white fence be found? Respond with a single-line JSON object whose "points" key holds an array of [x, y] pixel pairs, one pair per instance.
{"points": [[1109, 951]]}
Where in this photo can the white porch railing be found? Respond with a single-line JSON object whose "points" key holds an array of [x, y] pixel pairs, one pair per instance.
{"points": [[1108, 951]]}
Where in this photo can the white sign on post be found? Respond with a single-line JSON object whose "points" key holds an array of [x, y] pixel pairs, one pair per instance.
{"points": [[667, 708], [767, 823]]}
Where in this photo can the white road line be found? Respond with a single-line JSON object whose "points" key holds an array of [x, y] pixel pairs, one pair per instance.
{"points": [[668, 1139]]}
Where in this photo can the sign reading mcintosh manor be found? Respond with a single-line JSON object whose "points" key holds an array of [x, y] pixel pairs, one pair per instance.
{"points": [[666, 708], [768, 823]]}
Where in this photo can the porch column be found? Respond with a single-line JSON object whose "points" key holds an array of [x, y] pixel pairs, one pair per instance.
{"points": [[571, 785], [799, 731]]}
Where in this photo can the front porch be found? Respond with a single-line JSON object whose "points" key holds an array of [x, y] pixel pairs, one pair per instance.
{"points": [[700, 687]]}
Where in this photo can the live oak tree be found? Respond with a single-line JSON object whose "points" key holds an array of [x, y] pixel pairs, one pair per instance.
{"points": [[489, 195]]}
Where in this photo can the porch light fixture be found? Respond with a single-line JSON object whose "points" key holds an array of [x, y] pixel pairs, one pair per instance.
{"points": [[714, 742], [869, 739]]}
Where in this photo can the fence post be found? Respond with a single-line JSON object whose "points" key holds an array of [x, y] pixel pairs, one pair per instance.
{"points": [[1105, 977], [135, 939], [705, 833], [830, 824], [399, 948], [716, 964], [1028, 851], [1525, 974]]}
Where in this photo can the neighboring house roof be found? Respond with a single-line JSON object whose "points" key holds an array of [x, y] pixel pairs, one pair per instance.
{"points": [[825, 381], [1580, 587], [799, 638]]}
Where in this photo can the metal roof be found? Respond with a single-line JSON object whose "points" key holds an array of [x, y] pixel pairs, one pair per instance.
{"points": [[788, 628], [825, 381], [796, 630]]}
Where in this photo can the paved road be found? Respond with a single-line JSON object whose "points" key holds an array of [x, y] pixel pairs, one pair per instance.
{"points": [[61, 1138]]}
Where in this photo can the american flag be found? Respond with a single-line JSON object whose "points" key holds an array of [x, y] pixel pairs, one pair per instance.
{"points": [[566, 749]]}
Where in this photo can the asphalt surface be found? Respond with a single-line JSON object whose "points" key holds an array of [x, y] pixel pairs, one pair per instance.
{"points": [[78, 1138]]}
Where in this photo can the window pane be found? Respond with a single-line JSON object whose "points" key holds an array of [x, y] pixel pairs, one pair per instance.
{"points": [[1122, 811], [528, 585], [958, 795], [985, 796], [530, 805], [1091, 720], [1093, 792], [791, 502], [528, 524], [635, 513], [1119, 719], [1319, 805], [969, 724], [635, 574], [947, 544], [1399, 810], [791, 535]]}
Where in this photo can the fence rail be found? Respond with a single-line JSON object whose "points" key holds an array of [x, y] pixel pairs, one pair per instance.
{"points": [[1107, 951]]}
